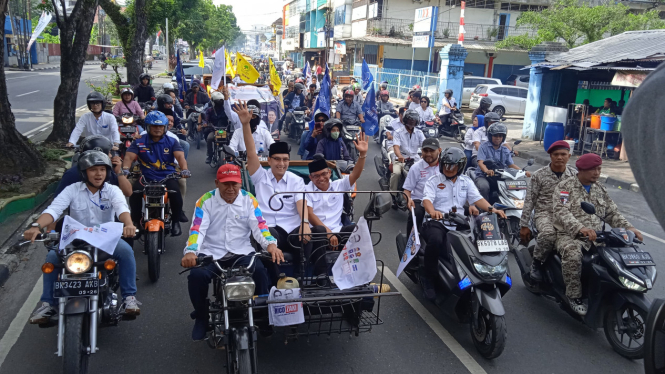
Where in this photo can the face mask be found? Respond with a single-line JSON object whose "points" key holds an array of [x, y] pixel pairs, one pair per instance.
{"points": [[334, 135], [255, 121]]}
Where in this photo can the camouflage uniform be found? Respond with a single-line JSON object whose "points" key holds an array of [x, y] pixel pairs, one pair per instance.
{"points": [[569, 219], [539, 198]]}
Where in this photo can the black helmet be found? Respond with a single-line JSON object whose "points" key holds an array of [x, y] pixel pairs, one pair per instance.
{"points": [[491, 118], [485, 103], [144, 76], [448, 91], [449, 158], [497, 129], [319, 113], [96, 143], [164, 99], [411, 115], [95, 97], [327, 127], [299, 86], [94, 158]]}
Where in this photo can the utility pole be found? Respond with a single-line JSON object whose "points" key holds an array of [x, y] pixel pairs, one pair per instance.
{"points": [[168, 49]]}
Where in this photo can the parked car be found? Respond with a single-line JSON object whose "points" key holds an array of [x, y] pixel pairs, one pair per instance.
{"points": [[518, 80], [192, 68], [470, 83], [505, 99]]}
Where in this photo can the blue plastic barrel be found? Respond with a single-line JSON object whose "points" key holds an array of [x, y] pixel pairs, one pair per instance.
{"points": [[553, 132], [607, 123]]}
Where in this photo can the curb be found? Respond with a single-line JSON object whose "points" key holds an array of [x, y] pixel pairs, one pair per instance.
{"points": [[604, 178], [50, 67], [4, 274]]}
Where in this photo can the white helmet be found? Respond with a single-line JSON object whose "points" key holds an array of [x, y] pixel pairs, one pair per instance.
{"points": [[168, 86], [217, 96]]}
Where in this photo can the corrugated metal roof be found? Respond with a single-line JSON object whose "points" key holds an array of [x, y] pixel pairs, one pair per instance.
{"points": [[470, 45], [628, 46]]}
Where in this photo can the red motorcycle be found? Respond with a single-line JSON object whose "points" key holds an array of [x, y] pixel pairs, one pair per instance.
{"points": [[128, 125]]}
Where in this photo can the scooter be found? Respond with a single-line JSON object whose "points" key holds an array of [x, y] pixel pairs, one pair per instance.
{"points": [[454, 127], [428, 129], [654, 345], [194, 120], [615, 278], [127, 126], [298, 123], [385, 117], [472, 279], [349, 132]]}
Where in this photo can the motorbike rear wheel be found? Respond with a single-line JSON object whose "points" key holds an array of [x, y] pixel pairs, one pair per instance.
{"points": [[634, 318], [152, 240], [490, 337], [654, 346], [74, 357]]}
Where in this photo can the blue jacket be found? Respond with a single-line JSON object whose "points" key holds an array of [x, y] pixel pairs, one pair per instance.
{"points": [[333, 149], [290, 98]]}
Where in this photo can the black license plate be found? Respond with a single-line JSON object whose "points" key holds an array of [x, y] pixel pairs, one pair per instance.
{"points": [[516, 185], [71, 288], [128, 129], [637, 259]]}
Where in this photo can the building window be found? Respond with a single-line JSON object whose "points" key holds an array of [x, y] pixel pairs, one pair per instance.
{"points": [[340, 15], [483, 4], [371, 51], [523, 7], [375, 10]]}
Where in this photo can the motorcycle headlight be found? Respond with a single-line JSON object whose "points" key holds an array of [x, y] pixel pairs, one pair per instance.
{"points": [[240, 290], [348, 136], [127, 119], [629, 284], [78, 262], [491, 271]]}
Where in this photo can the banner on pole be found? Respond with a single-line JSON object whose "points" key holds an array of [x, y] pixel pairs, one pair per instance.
{"points": [[44, 19]]}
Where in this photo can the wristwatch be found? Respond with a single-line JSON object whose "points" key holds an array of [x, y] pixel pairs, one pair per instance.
{"points": [[37, 225], [306, 221]]}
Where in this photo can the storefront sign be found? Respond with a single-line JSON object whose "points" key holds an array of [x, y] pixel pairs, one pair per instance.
{"points": [[321, 39], [628, 78], [288, 44], [340, 47], [424, 26]]}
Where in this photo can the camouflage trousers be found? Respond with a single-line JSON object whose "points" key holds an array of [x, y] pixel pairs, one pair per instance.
{"points": [[571, 254], [546, 238]]}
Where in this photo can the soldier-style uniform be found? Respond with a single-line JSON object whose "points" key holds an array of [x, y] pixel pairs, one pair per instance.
{"points": [[569, 219], [539, 198]]}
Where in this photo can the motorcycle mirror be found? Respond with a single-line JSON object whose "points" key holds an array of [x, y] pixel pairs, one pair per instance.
{"points": [[530, 162], [588, 208], [378, 205], [517, 142]]}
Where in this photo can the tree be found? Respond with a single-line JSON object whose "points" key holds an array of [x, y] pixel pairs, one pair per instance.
{"points": [[16, 151], [73, 52], [576, 24]]}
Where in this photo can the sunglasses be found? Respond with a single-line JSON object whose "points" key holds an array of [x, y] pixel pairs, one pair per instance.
{"points": [[424, 101]]}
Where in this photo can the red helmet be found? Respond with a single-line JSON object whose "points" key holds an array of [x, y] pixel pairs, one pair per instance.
{"points": [[416, 87], [384, 92], [349, 93], [300, 80]]}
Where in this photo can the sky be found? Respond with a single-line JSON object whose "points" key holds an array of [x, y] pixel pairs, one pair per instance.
{"points": [[254, 12]]}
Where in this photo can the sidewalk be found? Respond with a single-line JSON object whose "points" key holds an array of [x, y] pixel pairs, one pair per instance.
{"points": [[49, 66]]}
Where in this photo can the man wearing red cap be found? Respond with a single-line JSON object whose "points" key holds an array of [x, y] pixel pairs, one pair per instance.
{"points": [[223, 220], [539, 199], [571, 221]]}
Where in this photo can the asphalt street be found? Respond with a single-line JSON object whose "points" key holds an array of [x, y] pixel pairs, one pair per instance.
{"points": [[415, 336]]}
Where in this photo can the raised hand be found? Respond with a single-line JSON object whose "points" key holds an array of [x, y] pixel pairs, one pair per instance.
{"points": [[361, 143], [243, 113]]}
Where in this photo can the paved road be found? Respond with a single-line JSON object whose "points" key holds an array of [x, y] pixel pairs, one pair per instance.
{"points": [[541, 337]]}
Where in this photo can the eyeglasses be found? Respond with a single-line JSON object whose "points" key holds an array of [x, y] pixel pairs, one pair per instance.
{"points": [[322, 175], [279, 159], [423, 101]]}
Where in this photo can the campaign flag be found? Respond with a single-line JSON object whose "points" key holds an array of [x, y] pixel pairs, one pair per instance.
{"points": [[218, 69], [180, 77], [307, 72], [202, 63], [322, 103], [412, 246], [367, 76], [44, 19], [356, 263], [274, 79], [371, 125], [104, 236], [245, 70]]}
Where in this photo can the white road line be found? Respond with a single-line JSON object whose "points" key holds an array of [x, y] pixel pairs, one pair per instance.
{"points": [[653, 237], [27, 93], [443, 334], [49, 123], [18, 323], [25, 76]]}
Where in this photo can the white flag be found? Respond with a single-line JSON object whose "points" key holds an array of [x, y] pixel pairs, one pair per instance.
{"points": [[412, 246], [218, 69], [104, 236], [356, 264], [44, 19]]}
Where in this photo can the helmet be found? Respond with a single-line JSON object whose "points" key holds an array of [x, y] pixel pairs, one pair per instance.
{"points": [[96, 143], [497, 129], [349, 93], [300, 80], [168, 87], [485, 103], [299, 86], [156, 118], [95, 97], [164, 99], [491, 118], [384, 92], [411, 115], [94, 158], [449, 158], [327, 127], [217, 96], [320, 113], [384, 85], [448, 91], [144, 76], [356, 86], [416, 87], [127, 90]]}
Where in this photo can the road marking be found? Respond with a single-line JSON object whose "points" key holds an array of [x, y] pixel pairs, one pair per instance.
{"points": [[653, 237], [443, 334], [27, 93], [19, 322], [25, 76], [49, 123]]}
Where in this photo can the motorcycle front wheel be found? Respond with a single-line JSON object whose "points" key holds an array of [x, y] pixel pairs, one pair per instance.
{"points": [[654, 346], [628, 342], [243, 355], [490, 335], [77, 336], [152, 250]]}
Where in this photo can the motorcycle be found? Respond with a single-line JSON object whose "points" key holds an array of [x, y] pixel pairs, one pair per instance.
{"points": [[615, 278], [429, 129], [297, 123], [454, 127], [385, 117], [86, 292], [470, 287], [147, 106], [193, 121], [128, 126], [221, 152], [654, 336], [103, 65], [155, 221], [511, 193], [384, 167], [349, 132]]}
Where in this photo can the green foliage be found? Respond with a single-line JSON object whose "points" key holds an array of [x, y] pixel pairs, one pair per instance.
{"points": [[106, 87], [94, 34], [208, 26], [576, 24], [51, 154]]}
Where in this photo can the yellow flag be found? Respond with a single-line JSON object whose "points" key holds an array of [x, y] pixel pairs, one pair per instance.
{"points": [[245, 70], [274, 79], [229, 65], [201, 62]]}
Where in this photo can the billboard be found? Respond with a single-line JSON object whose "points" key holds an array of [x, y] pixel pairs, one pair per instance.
{"points": [[424, 27]]}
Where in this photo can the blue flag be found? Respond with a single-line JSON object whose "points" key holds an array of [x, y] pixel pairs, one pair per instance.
{"points": [[367, 77], [371, 125], [180, 77], [307, 73], [322, 103]]}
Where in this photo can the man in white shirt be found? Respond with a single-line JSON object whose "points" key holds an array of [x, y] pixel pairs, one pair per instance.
{"points": [[231, 114], [91, 202], [223, 220], [96, 122], [414, 184], [397, 125], [447, 104], [262, 137], [442, 192], [405, 144], [285, 213]]}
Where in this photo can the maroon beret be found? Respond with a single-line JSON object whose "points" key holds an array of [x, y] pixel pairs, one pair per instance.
{"points": [[559, 144], [588, 161]]}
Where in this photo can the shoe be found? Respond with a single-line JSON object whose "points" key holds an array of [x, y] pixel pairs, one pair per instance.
{"points": [[175, 229], [535, 273], [42, 314], [200, 329], [208, 159], [183, 217], [578, 306], [132, 306], [428, 289]]}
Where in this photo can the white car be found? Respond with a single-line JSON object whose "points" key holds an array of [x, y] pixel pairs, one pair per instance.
{"points": [[470, 84], [505, 99]]}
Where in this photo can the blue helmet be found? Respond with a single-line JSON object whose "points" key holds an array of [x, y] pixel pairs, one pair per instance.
{"points": [[156, 118]]}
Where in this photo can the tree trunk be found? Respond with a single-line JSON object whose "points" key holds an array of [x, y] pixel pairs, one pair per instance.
{"points": [[73, 52], [17, 153]]}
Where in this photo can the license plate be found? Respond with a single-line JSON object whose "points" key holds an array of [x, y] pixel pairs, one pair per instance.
{"points": [[492, 246], [516, 185], [637, 259], [432, 132], [222, 136], [353, 128], [127, 129], [71, 288]]}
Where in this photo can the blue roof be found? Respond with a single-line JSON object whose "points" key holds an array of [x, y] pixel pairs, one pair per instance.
{"points": [[8, 25]]}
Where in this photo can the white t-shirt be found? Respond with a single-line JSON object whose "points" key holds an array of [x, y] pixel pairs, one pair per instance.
{"points": [[444, 194], [451, 102], [262, 140], [329, 206], [265, 185], [426, 115]]}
